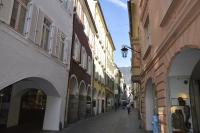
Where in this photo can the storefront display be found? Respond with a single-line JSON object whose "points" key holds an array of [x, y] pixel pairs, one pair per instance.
{"points": [[180, 116]]}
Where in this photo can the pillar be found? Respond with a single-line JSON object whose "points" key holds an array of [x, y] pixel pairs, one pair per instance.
{"points": [[52, 113]]}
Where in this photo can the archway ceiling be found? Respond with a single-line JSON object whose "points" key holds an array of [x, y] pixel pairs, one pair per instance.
{"points": [[184, 62]]}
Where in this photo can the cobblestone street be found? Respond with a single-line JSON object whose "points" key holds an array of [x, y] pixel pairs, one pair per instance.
{"points": [[113, 122]]}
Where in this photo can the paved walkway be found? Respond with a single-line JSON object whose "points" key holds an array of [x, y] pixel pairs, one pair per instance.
{"points": [[112, 122]]}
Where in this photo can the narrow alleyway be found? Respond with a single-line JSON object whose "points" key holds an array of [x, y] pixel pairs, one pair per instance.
{"points": [[112, 122]]}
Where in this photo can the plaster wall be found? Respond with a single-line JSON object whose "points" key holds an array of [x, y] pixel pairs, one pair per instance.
{"points": [[178, 32], [21, 59]]}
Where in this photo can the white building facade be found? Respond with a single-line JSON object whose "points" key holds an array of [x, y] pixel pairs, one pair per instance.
{"points": [[35, 51]]}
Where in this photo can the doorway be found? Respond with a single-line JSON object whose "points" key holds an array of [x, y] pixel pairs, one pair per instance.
{"points": [[32, 109]]}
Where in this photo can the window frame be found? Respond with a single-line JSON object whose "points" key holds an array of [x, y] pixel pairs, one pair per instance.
{"points": [[20, 5], [45, 26], [76, 49]]}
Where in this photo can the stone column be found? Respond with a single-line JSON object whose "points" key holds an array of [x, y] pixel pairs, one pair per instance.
{"points": [[82, 107], [52, 113], [72, 108], [14, 109]]}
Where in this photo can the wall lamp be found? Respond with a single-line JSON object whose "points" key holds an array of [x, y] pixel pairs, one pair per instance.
{"points": [[124, 50]]}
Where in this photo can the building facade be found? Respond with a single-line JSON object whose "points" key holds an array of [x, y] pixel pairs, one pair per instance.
{"points": [[170, 58], [35, 50], [103, 86], [117, 87], [80, 92], [136, 54]]}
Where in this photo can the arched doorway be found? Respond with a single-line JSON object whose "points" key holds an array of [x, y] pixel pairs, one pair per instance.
{"points": [[149, 104], [32, 102], [94, 101], [73, 100], [82, 100], [5, 96], [103, 103], [183, 81], [25, 107]]}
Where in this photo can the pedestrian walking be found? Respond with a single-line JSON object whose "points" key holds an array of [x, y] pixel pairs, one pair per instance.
{"points": [[115, 106], [128, 108]]}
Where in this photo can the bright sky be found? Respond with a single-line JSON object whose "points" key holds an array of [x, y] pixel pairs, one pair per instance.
{"points": [[116, 15]]}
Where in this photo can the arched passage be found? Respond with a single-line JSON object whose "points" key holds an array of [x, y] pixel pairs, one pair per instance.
{"points": [[17, 97], [103, 102], [82, 100], [94, 101], [73, 100], [183, 81], [149, 104], [89, 102], [33, 102]]}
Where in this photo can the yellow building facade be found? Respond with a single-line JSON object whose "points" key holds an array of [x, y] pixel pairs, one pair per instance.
{"points": [[103, 62]]}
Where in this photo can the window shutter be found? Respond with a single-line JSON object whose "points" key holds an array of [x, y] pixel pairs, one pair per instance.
{"points": [[78, 51], [85, 60], [65, 59], [82, 57], [51, 38], [39, 28], [31, 22], [56, 42], [74, 48]]}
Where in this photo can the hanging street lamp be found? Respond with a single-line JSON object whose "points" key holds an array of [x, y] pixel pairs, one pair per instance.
{"points": [[124, 50]]}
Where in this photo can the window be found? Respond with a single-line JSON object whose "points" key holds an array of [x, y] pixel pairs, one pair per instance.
{"points": [[45, 34], [83, 58], [89, 65], [147, 34], [76, 49], [62, 46], [19, 15]]}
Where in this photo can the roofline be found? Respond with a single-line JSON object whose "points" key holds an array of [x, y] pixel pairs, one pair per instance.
{"points": [[91, 16], [130, 19], [108, 33]]}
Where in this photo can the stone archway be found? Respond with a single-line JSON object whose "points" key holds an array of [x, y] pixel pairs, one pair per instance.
{"points": [[73, 100], [82, 100], [149, 104], [183, 83], [15, 96]]}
